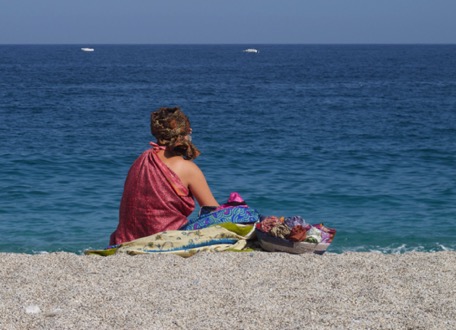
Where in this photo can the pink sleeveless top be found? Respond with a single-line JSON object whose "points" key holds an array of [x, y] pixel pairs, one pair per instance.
{"points": [[154, 199]]}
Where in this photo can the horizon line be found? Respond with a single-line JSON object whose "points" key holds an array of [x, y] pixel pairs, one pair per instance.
{"points": [[228, 43]]}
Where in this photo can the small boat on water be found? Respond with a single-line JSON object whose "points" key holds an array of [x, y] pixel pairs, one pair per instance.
{"points": [[87, 49], [250, 50]]}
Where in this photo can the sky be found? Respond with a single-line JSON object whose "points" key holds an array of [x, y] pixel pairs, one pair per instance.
{"points": [[92, 22]]}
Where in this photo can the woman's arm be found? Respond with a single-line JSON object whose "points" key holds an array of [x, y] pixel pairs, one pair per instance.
{"points": [[198, 186]]}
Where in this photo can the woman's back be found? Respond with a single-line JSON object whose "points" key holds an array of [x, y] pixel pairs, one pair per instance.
{"points": [[191, 176], [160, 186]]}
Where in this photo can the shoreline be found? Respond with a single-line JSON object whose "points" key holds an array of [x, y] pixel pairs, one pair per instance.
{"points": [[228, 290]]}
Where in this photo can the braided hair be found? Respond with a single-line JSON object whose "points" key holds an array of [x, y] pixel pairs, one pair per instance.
{"points": [[170, 126]]}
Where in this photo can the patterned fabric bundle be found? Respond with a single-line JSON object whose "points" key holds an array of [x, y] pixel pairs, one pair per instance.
{"points": [[223, 237], [295, 229], [235, 214], [298, 234], [235, 210], [268, 223]]}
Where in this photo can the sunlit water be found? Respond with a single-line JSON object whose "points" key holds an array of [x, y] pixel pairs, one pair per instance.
{"points": [[361, 138]]}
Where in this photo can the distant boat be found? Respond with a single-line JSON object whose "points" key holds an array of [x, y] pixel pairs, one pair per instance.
{"points": [[250, 50], [87, 49]]}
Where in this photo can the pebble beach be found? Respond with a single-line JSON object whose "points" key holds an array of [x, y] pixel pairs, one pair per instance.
{"points": [[228, 290]]}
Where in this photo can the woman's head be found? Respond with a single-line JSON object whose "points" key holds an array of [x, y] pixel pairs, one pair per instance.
{"points": [[171, 127]]}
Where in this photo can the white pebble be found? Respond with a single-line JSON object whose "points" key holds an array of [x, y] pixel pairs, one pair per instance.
{"points": [[32, 309]]}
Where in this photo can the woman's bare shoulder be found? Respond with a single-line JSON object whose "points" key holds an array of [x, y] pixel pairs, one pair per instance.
{"points": [[189, 166], [185, 169]]}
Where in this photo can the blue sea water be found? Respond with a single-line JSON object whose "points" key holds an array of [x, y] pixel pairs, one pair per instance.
{"points": [[359, 137]]}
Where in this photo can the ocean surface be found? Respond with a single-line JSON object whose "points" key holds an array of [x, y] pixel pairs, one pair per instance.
{"points": [[359, 137]]}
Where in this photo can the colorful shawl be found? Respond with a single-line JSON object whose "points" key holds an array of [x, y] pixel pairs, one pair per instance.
{"points": [[185, 243], [236, 214]]}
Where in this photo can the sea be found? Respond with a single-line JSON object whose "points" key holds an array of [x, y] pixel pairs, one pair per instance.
{"points": [[361, 138]]}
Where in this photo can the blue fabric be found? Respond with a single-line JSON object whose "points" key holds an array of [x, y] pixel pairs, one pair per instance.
{"points": [[235, 214]]}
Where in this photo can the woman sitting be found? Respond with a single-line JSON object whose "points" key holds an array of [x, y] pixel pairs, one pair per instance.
{"points": [[162, 182]]}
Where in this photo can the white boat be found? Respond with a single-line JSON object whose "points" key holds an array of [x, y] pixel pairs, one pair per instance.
{"points": [[250, 50], [87, 49]]}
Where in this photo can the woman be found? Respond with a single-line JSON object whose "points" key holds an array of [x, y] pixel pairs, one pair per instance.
{"points": [[162, 182]]}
